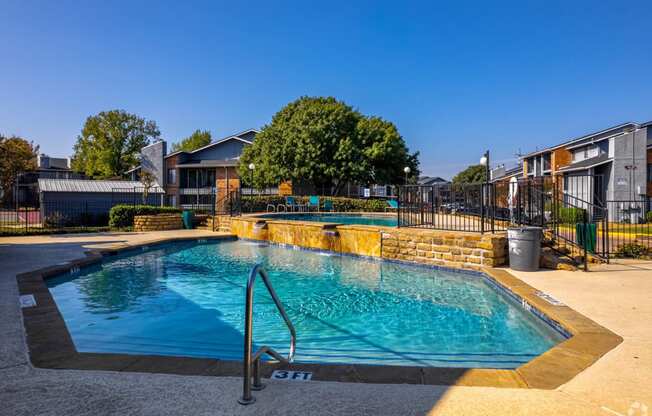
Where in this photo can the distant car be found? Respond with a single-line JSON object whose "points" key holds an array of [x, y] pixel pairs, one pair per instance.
{"points": [[452, 208]]}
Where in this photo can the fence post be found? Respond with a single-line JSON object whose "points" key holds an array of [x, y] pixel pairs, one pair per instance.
{"points": [[605, 234], [492, 189], [543, 205], [432, 207], [213, 202], [482, 209], [585, 241], [398, 206]]}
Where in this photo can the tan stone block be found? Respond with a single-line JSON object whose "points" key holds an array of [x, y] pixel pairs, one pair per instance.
{"points": [[424, 246], [390, 242], [447, 256], [456, 250], [390, 249], [470, 243], [485, 245], [441, 249], [430, 254], [437, 241]]}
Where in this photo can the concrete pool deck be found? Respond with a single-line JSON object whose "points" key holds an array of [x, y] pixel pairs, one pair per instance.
{"points": [[617, 298]]}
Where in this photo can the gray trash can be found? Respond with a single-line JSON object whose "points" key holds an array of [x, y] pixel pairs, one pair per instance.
{"points": [[524, 248]]}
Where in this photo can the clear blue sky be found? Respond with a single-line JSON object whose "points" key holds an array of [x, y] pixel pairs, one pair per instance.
{"points": [[456, 78]]}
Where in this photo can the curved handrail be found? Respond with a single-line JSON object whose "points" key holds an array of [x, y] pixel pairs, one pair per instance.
{"points": [[260, 270], [254, 359]]}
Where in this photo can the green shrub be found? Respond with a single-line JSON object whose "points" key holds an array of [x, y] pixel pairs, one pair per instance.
{"points": [[633, 250], [122, 216], [648, 216], [340, 204], [571, 215]]}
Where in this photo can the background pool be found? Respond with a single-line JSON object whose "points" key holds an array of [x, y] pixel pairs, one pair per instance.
{"points": [[188, 299], [361, 219]]}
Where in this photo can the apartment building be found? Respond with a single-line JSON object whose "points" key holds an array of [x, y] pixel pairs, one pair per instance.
{"points": [[186, 176], [613, 164]]}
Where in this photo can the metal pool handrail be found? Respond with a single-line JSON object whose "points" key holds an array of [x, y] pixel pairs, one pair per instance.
{"points": [[254, 360]]}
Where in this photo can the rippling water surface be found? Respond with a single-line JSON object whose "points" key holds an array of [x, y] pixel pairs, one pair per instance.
{"points": [[188, 299]]}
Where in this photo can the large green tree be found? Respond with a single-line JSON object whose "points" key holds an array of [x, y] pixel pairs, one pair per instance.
{"points": [[110, 142], [196, 140], [472, 174], [16, 155], [325, 142]]}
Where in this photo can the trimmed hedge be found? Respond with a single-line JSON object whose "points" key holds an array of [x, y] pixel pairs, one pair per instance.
{"points": [[122, 216], [259, 203], [648, 216]]}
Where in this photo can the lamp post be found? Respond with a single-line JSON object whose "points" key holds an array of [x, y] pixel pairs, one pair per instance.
{"points": [[484, 192], [484, 161], [407, 171], [251, 177]]}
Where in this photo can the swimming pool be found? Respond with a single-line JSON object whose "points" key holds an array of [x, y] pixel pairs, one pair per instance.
{"points": [[359, 219], [187, 299]]}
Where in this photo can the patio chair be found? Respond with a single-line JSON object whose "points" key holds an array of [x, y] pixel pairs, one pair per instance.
{"points": [[328, 205], [313, 202], [391, 204], [291, 204]]}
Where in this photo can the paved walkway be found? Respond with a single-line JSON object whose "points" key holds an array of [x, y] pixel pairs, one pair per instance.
{"points": [[618, 298]]}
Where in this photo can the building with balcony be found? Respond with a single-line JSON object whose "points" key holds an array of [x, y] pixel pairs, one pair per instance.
{"points": [[609, 165], [190, 178]]}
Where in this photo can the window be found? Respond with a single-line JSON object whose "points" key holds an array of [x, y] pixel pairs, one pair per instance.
{"points": [[546, 161], [172, 176]]}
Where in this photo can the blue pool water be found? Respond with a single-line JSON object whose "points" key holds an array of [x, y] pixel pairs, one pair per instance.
{"points": [[187, 299], [359, 219]]}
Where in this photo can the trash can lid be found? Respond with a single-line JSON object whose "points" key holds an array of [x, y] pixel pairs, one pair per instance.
{"points": [[524, 228]]}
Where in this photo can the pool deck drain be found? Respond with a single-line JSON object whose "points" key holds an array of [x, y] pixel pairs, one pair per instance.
{"points": [[51, 346]]}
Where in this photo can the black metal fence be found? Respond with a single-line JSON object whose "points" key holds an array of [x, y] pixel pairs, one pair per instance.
{"points": [[630, 226], [55, 216], [571, 225], [453, 207]]}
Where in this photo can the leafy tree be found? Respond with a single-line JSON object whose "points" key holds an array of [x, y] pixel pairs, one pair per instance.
{"points": [[196, 140], [325, 142], [110, 142], [16, 155], [472, 174]]}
